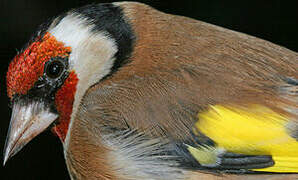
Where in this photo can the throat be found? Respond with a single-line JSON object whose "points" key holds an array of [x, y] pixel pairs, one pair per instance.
{"points": [[64, 99]]}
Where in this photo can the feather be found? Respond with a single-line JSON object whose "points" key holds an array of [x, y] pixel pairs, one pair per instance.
{"points": [[251, 130]]}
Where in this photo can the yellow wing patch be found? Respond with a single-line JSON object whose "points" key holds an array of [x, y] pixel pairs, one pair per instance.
{"points": [[255, 130], [204, 155]]}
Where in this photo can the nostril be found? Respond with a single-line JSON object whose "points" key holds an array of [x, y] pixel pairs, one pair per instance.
{"points": [[40, 83]]}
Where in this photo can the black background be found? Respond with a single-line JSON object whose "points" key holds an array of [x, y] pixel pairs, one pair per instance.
{"points": [[273, 20]]}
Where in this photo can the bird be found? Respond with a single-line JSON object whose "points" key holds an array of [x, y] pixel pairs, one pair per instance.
{"points": [[136, 93]]}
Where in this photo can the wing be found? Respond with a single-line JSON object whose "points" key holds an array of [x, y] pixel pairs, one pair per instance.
{"points": [[181, 68], [252, 138]]}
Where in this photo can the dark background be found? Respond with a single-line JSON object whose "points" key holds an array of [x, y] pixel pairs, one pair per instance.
{"points": [[273, 20]]}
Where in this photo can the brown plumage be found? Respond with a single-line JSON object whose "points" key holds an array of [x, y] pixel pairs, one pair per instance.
{"points": [[178, 68]]}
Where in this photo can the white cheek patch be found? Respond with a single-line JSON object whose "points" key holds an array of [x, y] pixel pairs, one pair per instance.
{"points": [[92, 55]]}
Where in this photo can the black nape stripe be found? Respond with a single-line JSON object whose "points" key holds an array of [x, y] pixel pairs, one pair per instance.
{"points": [[110, 18], [107, 18]]}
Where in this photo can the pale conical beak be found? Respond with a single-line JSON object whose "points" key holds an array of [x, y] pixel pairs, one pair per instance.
{"points": [[27, 121]]}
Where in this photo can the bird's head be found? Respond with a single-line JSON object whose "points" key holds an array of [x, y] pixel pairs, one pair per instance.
{"points": [[47, 80]]}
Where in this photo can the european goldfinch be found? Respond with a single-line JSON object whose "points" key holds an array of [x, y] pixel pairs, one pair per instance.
{"points": [[134, 93]]}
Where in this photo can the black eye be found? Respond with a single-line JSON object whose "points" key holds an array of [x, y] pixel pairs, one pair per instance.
{"points": [[54, 69]]}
